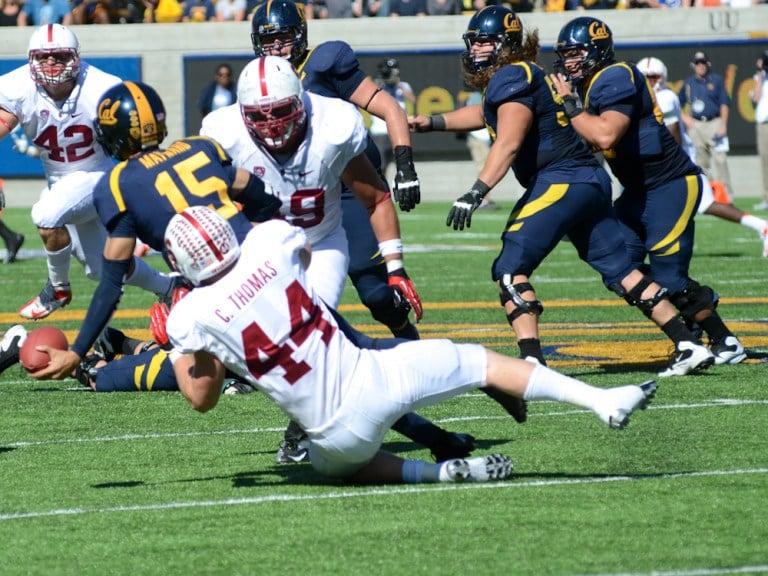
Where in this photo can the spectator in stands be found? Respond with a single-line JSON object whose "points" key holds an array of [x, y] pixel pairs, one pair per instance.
{"points": [[220, 92], [759, 96], [230, 10], [407, 8], [9, 12], [199, 11], [562, 5], [334, 9], [364, 8], [162, 11], [40, 12], [444, 7], [92, 11]]}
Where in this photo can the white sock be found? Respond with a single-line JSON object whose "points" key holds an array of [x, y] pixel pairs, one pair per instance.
{"points": [[546, 384], [146, 277], [753, 222], [58, 264]]}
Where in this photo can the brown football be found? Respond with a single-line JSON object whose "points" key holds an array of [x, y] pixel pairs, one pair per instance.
{"points": [[33, 360]]}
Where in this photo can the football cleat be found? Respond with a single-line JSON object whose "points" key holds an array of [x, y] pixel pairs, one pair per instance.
{"points": [[293, 451], [453, 445], [13, 248], [729, 351], [621, 402], [50, 299], [479, 469], [689, 357], [233, 386], [10, 345]]}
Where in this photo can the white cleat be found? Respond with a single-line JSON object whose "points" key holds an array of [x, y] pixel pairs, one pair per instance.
{"points": [[621, 402], [479, 469], [729, 351], [689, 357]]}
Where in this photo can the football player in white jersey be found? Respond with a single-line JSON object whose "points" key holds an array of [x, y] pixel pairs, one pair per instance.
{"points": [[54, 98], [254, 312], [669, 104], [302, 146]]}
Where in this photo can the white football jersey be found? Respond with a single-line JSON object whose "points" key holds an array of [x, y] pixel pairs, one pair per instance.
{"points": [[669, 104], [264, 322], [63, 131], [309, 181]]}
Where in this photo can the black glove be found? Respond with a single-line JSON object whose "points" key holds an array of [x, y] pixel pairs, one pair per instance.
{"points": [[462, 209], [407, 187]]}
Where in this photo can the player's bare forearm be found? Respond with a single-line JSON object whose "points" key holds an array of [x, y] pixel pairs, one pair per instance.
{"points": [[199, 378]]}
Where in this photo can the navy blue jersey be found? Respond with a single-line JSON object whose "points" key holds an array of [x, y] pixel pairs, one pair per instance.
{"points": [[332, 69], [647, 156], [551, 144], [705, 96], [144, 193]]}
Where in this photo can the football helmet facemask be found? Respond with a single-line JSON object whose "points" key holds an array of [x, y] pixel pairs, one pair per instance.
{"points": [[54, 56], [271, 101], [200, 244], [593, 39], [131, 118], [280, 18], [496, 24]]}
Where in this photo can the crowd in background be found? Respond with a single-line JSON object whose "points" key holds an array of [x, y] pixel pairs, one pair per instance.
{"points": [[38, 12]]}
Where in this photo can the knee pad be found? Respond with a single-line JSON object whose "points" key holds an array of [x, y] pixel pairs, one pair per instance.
{"points": [[694, 299], [512, 293], [633, 297]]}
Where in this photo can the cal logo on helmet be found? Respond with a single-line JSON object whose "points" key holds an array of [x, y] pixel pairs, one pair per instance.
{"points": [[599, 31]]}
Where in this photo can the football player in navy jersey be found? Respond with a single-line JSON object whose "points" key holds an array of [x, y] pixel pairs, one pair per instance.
{"points": [[141, 194], [331, 69], [567, 192], [662, 186]]}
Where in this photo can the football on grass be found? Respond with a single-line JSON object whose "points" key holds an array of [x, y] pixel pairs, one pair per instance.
{"points": [[33, 360]]}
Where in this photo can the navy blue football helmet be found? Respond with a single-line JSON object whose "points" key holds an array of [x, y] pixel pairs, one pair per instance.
{"points": [[275, 17], [496, 24], [591, 36], [131, 118]]}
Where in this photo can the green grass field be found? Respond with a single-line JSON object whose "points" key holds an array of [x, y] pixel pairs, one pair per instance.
{"points": [[139, 483]]}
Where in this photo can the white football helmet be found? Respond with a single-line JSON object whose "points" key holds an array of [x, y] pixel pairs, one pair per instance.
{"points": [[200, 244], [271, 101], [655, 70], [54, 55]]}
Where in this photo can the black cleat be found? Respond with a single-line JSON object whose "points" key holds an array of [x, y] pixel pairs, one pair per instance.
{"points": [[515, 407], [10, 345], [13, 248], [453, 445]]}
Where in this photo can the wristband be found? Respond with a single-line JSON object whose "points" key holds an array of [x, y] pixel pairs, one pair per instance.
{"points": [[437, 122], [572, 106], [393, 265], [389, 247], [481, 187]]}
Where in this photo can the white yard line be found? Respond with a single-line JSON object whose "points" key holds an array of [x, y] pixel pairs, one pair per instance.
{"points": [[693, 572], [365, 493], [717, 403]]}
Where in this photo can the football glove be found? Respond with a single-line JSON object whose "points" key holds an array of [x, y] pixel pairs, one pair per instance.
{"points": [[407, 187], [158, 319], [398, 279], [462, 209]]}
